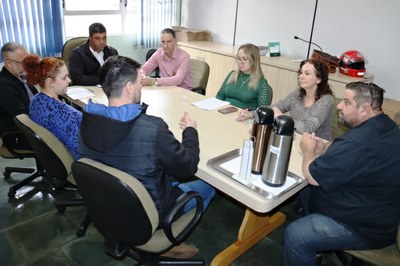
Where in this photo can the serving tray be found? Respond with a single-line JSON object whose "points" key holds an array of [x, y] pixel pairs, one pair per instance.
{"points": [[224, 162]]}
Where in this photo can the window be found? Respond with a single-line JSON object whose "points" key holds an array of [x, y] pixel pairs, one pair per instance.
{"points": [[141, 19]]}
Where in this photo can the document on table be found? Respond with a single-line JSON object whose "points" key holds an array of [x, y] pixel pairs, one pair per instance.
{"points": [[210, 103], [76, 93]]}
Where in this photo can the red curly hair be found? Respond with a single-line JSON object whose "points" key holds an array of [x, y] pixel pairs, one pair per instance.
{"points": [[37, 71]]}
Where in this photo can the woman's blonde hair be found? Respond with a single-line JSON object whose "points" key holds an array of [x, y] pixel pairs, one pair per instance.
{"points": [[252, 53]]}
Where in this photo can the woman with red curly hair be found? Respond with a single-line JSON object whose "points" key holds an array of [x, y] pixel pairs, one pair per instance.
{"points": [[51, 74]]}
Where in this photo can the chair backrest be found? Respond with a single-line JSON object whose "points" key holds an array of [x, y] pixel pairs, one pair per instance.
{"points": [[69, 46], [50, 151], [130, 217], [337, 128], [200, 71], [149, 53]]}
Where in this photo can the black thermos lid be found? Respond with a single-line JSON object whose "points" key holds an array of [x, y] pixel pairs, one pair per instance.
{"points": [[264, 115], [284, 125]]}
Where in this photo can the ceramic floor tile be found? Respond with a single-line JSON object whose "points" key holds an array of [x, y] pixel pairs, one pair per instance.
{"points": [[51, 258], [43, 233], [8, 252]]}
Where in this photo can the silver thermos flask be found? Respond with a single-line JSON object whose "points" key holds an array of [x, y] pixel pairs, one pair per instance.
{"points": [[262, 127], [278, 154]]}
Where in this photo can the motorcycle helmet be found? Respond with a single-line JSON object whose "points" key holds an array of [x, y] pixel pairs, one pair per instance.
{"points": [[352, 63]]}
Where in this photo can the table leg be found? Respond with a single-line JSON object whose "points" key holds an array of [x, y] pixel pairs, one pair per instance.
{"points": [[255, 226]]}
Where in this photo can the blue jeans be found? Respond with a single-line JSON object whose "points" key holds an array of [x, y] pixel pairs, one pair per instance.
{"points": [[206, 191], [314, 233]]}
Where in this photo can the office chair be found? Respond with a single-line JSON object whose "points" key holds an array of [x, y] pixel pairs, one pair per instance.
{"points": [[387, 256], [10, 151], [200, 71], [55, 159], [69, 46], [125, 215], [149, 53]]}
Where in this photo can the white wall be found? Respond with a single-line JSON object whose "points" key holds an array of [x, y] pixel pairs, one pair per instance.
{"points": [[368, 26]]}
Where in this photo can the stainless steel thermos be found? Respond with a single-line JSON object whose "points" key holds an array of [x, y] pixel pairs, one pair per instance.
{"points": [[262, 127], [280, 146]]}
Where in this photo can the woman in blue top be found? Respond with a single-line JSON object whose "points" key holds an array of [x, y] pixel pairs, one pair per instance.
{"points": [[51, 74], [246, 87]]}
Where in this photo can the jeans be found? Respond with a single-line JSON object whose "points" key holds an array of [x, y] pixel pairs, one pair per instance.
{"points": [[206, 191], [314, 233]]}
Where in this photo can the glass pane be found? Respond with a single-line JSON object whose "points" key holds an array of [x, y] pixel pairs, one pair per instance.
{"points": [[92, 5], [79, 25]]}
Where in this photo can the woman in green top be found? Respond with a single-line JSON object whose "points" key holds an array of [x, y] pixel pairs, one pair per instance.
{"points": [[246, 87]]}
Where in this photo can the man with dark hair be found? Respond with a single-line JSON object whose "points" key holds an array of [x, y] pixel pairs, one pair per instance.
{"points": [[353, 201], [123, 136], [86, 59], [173, 62], [15, 94]]}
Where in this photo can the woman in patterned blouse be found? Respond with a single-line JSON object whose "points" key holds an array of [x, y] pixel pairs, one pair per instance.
{"points": [[51, 74]]}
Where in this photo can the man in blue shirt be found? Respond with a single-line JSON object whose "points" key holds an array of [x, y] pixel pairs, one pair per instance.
{"points": [[353, 201]]}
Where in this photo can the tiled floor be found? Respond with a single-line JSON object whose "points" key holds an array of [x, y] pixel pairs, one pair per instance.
{"points": [[33, 232]]}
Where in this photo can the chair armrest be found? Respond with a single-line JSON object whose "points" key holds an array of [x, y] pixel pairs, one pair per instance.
{"points": [[16, 143], [175, 211]]}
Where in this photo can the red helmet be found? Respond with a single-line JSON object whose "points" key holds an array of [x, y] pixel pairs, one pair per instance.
{"points": [[352, 63]]}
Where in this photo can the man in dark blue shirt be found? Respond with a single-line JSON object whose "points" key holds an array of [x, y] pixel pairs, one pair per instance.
{"points": [[353, 201]]}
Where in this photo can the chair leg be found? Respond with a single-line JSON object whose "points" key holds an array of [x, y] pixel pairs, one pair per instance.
{"points": [[62, 205], [13, 189], [8, 170], [83, 227]]}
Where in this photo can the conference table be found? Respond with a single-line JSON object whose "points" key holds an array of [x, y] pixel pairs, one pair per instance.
{"points": [[219, 134]]}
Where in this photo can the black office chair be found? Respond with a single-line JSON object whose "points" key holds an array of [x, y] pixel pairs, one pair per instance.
{"points": [[156, 71], [125, 215], [11, 149], [55, 159]]}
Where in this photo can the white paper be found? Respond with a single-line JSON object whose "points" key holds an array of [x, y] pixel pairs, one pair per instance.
{"points": [[76, 93], [210, 103], [233, 166]]}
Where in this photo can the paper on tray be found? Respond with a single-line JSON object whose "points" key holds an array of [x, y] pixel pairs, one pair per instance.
{"points": [[210, 103], [233, 166]]}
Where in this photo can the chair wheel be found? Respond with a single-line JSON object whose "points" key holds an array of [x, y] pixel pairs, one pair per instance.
{"points": [[11, 193], [61, 208], [7, 174]]}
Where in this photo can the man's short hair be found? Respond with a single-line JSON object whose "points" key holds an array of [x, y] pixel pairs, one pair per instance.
{"points": [[96, 28], [116, 71], [169, 31], [10, 47], [367, 92]]}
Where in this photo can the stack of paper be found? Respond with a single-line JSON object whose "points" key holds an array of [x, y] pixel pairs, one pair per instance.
{"points": [[210, 103], [76, 93]]}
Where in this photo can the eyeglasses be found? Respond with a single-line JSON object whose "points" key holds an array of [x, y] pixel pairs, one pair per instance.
{"points": [[19, 62], [241, 60]]}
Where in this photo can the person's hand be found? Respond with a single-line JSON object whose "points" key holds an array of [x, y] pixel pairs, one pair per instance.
{"points": [[243, 115], [277, 112], [320, 145], [186, 121], [308, 144], [148, 81]]}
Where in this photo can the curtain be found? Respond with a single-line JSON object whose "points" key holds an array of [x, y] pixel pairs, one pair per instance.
{"points": [[156, 15], [37, 24]]}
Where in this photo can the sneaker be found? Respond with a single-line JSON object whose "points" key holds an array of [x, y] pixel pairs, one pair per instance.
{"points": [[183, 251]]}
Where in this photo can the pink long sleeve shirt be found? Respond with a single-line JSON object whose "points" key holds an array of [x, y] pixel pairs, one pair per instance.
{"points": [[173, 71]]}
